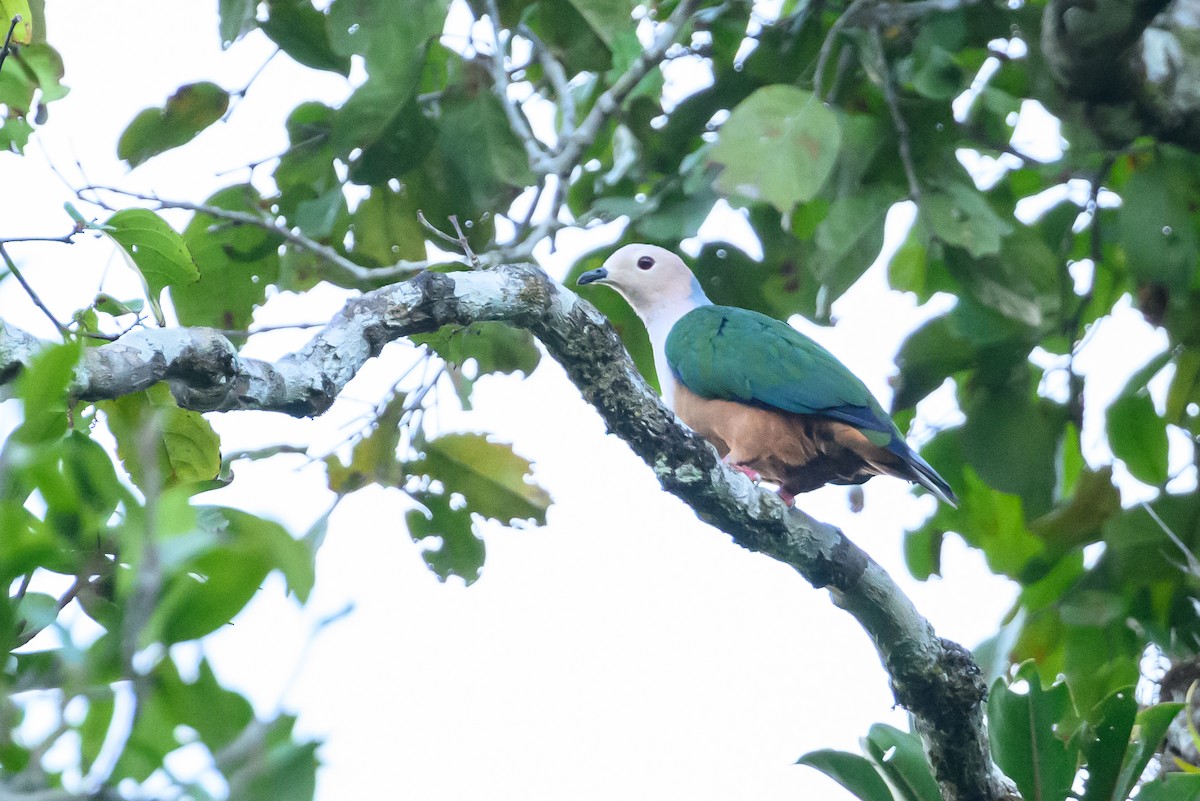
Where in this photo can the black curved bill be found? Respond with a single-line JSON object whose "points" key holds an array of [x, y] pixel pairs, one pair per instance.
{"points": [[592, 275]]}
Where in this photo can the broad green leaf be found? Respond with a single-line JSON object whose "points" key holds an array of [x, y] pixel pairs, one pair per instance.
{"points": [[386, 229], [857, 774], [42, 388], [900, 756], [1149, 728], [236, 262], [391, 36], [850, 237], [1154, 224], [154, 251], [1010, 438], [1079, 520], [929, 356], [192, 108], [273, 767], [923, 550], [488, 474], [778, 146], [94, 729], [959, 215], [237, 18], [1103, 739], [219, 582], [217, 714], [1171, 787], [45, 67], [1185, 386], [606, 18], [1021, 730], [1138, 437], [498, 167], [460, 552], [301, 31], [184, 449]]}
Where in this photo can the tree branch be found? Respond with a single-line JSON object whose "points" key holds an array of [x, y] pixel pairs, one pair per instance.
{"points": [[573, 143], [933, 678]]}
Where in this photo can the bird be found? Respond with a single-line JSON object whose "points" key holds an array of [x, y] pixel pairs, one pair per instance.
{"points": [[774, 403]]}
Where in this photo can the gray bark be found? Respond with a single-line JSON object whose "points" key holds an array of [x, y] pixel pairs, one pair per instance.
{"points": [[933, 678]]}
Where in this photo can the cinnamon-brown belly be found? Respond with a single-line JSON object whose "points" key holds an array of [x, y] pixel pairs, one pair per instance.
{"points": [[799, 452]]}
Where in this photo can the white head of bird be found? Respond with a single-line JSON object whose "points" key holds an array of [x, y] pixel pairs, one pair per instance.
{"points": [[659, 287]]}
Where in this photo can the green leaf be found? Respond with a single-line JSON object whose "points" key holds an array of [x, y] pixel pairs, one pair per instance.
{"points": [[374, 458], [495, 347], [488, 474], [94, 729], [236, 263], [779, 145], [1138, 437], [850, 237], [192, 108], [386, 229], [1079, 520], [154, 251], [929, 356], [498, 167], [857, 774], [1021, 730], [1171, 787], [1103, 739], [1150, 726], [391, 36], [275, 767], [960, 215], [186, 449], [215, 585], [1154, 224], [606, 18], [45, 66], [218, 715], [901, 758], [461, 552], [237, 18], [42, 388], [301, 31]]}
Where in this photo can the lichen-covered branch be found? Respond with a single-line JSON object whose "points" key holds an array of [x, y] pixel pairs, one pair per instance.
{"points": [[933, 678]]}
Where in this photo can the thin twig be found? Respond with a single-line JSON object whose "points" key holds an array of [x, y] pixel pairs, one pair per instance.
{"points": [[433, 229], [66, 239], [464, 243], [37, 301], [558, 79], [516, 116], [571, 147], [835, 30], [12, 29], [358, 273], [893, 103]]}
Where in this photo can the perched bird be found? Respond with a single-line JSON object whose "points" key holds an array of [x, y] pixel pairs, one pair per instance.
{"points": [[773, 402]]}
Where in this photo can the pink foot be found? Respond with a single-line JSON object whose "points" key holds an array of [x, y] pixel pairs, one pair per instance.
{"points": [[753, 475], [788, 498]]}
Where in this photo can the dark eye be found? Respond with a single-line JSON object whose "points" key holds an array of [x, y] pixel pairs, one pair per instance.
{"points": [[645, 263]]}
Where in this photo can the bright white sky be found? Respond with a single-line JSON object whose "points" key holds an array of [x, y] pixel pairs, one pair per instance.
{"points": [[625, 650]]}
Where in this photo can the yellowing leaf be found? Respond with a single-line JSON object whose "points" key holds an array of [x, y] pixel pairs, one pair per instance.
{"points": [[12, 9]]}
